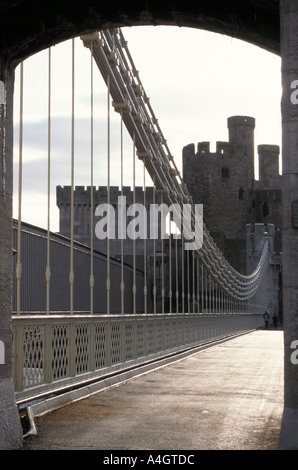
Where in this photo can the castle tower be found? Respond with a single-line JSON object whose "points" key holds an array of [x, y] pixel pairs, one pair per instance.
{"points": [[266, 196], [221, 181], [241, 136], [241, 130], [269, 176]]}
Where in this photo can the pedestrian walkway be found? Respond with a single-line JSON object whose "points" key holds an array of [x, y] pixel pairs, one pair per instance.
{"points": [[227, 397]]}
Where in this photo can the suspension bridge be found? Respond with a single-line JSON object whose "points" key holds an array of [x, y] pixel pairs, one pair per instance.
{"points": [[177, 299], [81, 343]]}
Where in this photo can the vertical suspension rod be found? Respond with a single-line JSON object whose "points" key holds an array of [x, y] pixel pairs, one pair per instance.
{"points": [[122, 287], [91, 281], [71, 270], [19, 241], [108, 282], [145, 240], [48, 268], [134, 289]]}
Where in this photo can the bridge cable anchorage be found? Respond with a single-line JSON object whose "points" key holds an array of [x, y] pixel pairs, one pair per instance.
{"points": [[112, 56]]}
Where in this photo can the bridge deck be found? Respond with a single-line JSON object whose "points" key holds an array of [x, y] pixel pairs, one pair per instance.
{"points": [[229, 396]]}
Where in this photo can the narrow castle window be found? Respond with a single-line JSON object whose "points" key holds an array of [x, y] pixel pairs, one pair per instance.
{"points": [[225, 172], [241, 193], [265, 209]]}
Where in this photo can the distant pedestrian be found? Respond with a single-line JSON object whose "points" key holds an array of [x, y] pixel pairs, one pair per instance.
{"points": [[275, 320], [266, 317]]}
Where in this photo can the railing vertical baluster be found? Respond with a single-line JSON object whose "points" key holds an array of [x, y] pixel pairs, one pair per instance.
{"points": [[108, 344], [145, 335], [72, 352], [216, 297], [19, 357], [48, 352], [92, 351], [208, 292], [122, 342], [134, 338]]}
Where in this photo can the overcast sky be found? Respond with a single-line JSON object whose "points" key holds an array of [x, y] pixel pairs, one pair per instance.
{"points": [[195, 80]]}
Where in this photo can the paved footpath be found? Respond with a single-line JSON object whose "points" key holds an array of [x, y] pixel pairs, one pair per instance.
{"points": [[227, 397]]}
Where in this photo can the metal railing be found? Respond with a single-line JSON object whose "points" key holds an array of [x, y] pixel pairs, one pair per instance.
{"points": [[51, 353]]}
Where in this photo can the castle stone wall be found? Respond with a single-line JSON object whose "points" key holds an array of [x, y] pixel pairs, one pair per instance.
{"points": [[82, 215]]}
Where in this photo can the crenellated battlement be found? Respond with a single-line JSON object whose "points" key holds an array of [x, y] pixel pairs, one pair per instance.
{"points": [[238, 152], [241, 133], [203, 150], [82, 195], [224, 182]]}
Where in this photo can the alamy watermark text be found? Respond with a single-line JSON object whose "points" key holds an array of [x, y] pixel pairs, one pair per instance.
{"points": [[135, 222]]}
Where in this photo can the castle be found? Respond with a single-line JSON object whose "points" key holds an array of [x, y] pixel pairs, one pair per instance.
{"points": [[239, 211], [132, 251], [224, 182]]}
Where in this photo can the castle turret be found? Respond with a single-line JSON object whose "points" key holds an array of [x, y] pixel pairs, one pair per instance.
{"points": [[241, 130], [269, 176], [241, 137]]}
